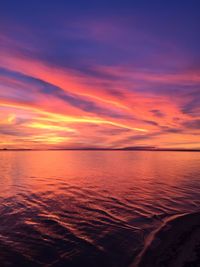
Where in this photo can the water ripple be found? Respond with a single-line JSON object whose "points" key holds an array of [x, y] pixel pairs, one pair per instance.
{"points": [[92, 216]]}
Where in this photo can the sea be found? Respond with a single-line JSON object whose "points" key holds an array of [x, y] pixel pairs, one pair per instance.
{"points": [[89, 208]]}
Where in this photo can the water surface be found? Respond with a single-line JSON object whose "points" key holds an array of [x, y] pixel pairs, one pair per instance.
{"points": [[89, 208]]}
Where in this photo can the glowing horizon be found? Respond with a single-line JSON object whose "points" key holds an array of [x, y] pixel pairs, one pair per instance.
{"points": [[99, 75]]}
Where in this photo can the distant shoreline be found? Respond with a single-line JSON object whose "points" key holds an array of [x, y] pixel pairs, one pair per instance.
{"points": [[104, 149]]}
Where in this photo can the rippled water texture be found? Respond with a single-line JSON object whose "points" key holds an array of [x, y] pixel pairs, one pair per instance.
{"points": [[89, 208]]}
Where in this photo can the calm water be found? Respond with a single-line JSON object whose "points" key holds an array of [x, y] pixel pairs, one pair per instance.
{"points": [[89, 208]]}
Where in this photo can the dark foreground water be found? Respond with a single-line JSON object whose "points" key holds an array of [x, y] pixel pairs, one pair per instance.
{"points": [[89, 208]]}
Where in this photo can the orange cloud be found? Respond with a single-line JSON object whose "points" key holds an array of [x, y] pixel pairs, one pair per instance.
{"points": [[148, 118]]}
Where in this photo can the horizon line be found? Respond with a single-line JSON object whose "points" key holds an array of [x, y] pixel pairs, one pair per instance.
{"points": [[104, 149]]}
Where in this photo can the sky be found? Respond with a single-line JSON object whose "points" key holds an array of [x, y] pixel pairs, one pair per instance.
{"points": [[99, 74]]}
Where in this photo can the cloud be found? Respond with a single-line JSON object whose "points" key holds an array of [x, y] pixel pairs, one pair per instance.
{"points": [[37, 87], [192, 107], [115, 78], [192, 124], [157, 113]]}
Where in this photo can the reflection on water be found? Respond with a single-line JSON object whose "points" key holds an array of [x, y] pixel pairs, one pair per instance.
{"points": [[89, 208]]}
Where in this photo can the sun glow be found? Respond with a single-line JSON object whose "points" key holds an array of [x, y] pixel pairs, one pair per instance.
{"points": [[50, 127]]}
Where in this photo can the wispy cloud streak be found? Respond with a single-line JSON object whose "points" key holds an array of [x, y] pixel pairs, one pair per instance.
{"points": [[104, 75]]}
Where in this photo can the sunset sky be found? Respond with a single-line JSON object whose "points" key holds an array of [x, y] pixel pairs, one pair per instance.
{"points": [[105, 74]]}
